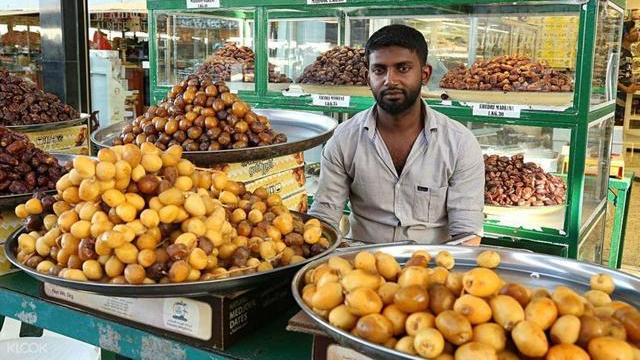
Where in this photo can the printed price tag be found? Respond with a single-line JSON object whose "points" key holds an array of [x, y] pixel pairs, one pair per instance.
{"points": [[202, 4], [331, 100], [320, 2], [497, 110]]}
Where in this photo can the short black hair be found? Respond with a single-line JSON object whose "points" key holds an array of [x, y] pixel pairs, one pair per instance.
{"points": [[398, 35], [627, 26]]}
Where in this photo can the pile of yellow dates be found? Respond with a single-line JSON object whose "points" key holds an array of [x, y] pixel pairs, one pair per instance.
{"points": [[143, 216], [438, 313]]}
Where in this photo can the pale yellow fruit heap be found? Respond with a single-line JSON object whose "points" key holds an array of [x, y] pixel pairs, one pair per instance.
{"points": [[142, 216], [438, 313]]}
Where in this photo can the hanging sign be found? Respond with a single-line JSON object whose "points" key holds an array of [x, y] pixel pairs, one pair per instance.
{"points": [[202, 4], [321, 2], [497, 110], [331, 100]]}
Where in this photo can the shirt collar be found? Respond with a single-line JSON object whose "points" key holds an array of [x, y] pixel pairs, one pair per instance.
{"points": [[429, 121]]}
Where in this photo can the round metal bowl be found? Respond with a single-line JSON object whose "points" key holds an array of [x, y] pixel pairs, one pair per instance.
{"points": [[304, 131], [12, 200], [534, 270], [52, 125], [194, 288]]}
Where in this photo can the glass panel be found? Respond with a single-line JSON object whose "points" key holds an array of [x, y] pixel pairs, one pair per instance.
{"points": [[607, 54], [519, 193], [20, 46], [186, 41], [295, 44], [596, 167], [547, 40], [590, 248]]}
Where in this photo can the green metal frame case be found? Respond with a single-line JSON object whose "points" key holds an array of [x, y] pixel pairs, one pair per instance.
{"points": [[578, 118]]}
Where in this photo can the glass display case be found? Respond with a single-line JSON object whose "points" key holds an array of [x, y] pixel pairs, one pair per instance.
{"points": [[541, 146], [188, 42], [546, 71], [20, 46]]}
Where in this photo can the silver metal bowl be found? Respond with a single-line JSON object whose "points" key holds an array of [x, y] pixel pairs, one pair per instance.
{"points": [[194, 288], [533, 270], [304, 131]]}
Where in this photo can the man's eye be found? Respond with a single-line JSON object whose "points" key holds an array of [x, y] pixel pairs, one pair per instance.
{"points": [[378, 71], [404, 69]]}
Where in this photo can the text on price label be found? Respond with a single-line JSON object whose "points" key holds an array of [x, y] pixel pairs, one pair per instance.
{"points": [[497, 110], [202, 4], [331, 100], [318, 2]]}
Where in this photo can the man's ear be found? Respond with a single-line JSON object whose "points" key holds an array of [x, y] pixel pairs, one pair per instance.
{"points": [[426, 74]]}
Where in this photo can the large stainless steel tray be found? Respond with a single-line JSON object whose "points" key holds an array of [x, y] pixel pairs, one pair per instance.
{"points": [[304, 131], [533, 270], [195, 288], [52, 125], [8, 201]]}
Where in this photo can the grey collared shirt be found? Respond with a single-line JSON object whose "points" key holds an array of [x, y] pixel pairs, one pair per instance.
{"points": [[440, 192]]}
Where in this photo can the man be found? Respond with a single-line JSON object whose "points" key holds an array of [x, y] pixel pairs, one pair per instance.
{"points": [[410, 172], [630, 35]]}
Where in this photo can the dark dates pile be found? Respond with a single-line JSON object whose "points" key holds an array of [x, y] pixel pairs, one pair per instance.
{"points": [[233, 59], [512, 182], [341, 65], [23, 167], [201, 115], [507, 73], [21, 103]]}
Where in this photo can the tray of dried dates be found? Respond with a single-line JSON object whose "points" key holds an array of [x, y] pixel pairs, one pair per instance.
{"points": [[25, 169], [212, 125], [513, 185], [513, 79], [146, 222]]}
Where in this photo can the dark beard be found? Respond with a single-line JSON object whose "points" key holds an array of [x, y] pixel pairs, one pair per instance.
{"points": [[395, 107]]}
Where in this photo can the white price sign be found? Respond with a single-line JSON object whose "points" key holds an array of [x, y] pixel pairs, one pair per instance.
{"points": [[202, 4], [331, 100], [497, 110], [320, 2]]}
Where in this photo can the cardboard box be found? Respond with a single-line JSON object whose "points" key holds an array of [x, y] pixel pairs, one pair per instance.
{"points": [[253, 170], [9, 223], [297, 202], [214, 321], [71, 140], [283, 183]]}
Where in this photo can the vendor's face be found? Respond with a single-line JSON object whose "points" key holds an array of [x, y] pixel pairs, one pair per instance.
{"points": [[396, 77]]}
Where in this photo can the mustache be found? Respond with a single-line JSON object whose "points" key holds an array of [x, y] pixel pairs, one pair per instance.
{"points": [[393, 89]]}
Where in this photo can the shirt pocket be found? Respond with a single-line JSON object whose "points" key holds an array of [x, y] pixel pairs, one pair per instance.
{"points": [[430, 203]]}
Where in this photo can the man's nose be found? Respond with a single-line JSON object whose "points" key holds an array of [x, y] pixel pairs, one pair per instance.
{"points": [[391, 78]]}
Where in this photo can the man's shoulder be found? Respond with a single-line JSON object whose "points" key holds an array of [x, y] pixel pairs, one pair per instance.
{"points": [[354, 125], [451, 128]]}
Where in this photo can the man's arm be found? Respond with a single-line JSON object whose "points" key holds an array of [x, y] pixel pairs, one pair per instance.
{"points": [[465, 197], [334, 185]]}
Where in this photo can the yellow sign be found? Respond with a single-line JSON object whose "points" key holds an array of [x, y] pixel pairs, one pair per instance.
{"points": [[73, 140]]}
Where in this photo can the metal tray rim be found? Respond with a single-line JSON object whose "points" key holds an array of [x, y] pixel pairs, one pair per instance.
{"points": [[164, 290], [369, 348], [254, 153], [51, 125]]}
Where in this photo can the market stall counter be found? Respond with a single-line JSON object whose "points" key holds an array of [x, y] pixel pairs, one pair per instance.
{"points": [[22, 300]]}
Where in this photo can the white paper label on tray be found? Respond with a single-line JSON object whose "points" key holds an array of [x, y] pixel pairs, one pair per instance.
{"points": [[497, 110], [179, 315], [202, 4], [331, 100], [320, 2], [182, 315]]}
